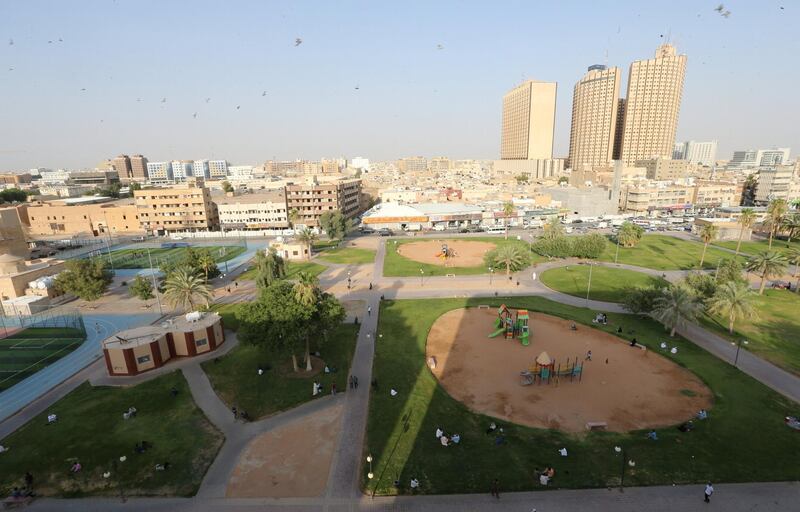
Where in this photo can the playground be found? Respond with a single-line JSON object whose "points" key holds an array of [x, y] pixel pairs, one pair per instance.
{"points": [[550, 383], [455, 253]]}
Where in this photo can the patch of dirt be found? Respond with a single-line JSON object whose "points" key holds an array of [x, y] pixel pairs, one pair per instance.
{"points": [[291, 461], [466, 253], [286, 369], [635, 389]]}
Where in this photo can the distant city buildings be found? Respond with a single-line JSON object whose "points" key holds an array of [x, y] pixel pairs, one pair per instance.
{"points": [[307, 201], [217, 169], [595, 105], [159, 171], [122, 164], [184, 207], [413, 164], [529, 121], [182, 169], [139, 168], [699, 153]]}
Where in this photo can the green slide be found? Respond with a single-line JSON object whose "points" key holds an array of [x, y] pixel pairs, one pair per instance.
{"points": [[524, 339], [497, 332]]}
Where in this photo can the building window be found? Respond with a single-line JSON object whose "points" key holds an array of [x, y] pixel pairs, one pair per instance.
{"points": [[201, 342], [143, 359]]}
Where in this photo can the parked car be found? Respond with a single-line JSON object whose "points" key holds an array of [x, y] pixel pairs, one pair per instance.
{"points": [[385, 232], [781, 285], [367, 231]]}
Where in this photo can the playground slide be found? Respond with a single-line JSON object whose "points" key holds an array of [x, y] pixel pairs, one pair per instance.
{"points": [[524, 339], [497, 323], [498, 332]]}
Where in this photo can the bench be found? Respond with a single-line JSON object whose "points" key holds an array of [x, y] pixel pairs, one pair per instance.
{"points": [[449, 275], [483, 306], [596, 425]]}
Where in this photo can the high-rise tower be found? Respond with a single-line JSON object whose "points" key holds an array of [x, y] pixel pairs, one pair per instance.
{"points": [[594, 117], [529, 112]]}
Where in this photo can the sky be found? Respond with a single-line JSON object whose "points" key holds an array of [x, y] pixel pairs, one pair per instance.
{"points": [[84, 81]]}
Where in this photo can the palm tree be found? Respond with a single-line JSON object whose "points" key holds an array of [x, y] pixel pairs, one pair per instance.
{"points": [[511, 256], [629, 234], [269, 267], [793, 257], [708, 232], [205, 262], [553, 229], [791, 224], [733, 299], [294, 216], [508, 209], [775, 213], [767, 264], [746, 220], [185, 288], [307, 238], [675, 307], [306, 292]]}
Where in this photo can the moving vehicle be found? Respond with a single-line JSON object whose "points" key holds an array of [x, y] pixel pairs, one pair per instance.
{"points": [[495, 230]]}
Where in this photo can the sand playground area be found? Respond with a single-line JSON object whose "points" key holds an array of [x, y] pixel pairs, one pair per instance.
{"points": [[291, 461], [634, 389], [466, 253]]}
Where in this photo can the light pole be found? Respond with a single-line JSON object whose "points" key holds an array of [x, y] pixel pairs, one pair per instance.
{"points": [[155, 286], [616, 255], [371, 475], [491, 275], [108, 247], [589, 287], [738, 348], [348, 280], [421, 277]]}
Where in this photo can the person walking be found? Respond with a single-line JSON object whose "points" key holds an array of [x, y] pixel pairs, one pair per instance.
{"points": [[708, 492], [369, 310], [496, 488]]}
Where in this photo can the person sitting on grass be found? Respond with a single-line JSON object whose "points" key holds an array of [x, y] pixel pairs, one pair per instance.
{"points": [[414, 483], [687, 427], [439, 433], [702, 414], [162, 467], [573, 326], [652, 435], [499, 440], [633, 342], [444, 440], [492, 428], [51, 418], [455, 438], [544, 479], [550, 472], [76, 467]]}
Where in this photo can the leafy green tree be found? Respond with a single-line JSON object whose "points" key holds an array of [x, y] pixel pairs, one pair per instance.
{"points": [[306, 293], [186, 288], [205, 262], [141, 288], [708, 233], [521, 178], [508, 210], [729, 270], [512, 257], [776, 211], [88, 279], [703, 285], [12, 195], [793, 257], [227, 187], [134, 185], [269, 267], [676, 306], [588, 246], [307, 238], [557, 247], [294, 216], [334, 224], [641, 300], [552, 229], [791, 225], [733, 299], [767, 264], [746, 220], [629, 234]]}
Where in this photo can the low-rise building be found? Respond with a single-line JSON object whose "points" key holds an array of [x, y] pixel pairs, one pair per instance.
{"points": [[100, 178], [773, 183], [15, 179], [663, 169], [88, 215], [185, 207], [313, 198], [253, 211], [290, 250]]}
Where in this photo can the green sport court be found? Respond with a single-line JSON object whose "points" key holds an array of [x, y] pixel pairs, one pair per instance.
{"points": [[25, 352]]}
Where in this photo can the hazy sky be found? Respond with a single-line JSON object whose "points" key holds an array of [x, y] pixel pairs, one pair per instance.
{"points": [[412, 98]]}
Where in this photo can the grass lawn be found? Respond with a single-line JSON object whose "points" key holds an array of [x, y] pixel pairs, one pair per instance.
{"points": [[137, 258], [395, 265], [292, 269], [774, 335], [26, 352], [348, 255], [608, 284], [237, 382], [91, 430], [325, 245], [662, 252], [756, 246], [745, 429]]}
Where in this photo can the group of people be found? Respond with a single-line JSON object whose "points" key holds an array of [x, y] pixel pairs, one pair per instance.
{"points": [[546, 475], [445, 440], [240, 414], [600, 318], [499, 433], [26, 492]]}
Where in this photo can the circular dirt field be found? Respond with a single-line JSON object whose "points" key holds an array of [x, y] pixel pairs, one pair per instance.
{"points": [[467, 253], [635, 389]]}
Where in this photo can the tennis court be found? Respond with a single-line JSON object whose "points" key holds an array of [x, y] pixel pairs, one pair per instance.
{"points": [[138, 257], [25, 352]]}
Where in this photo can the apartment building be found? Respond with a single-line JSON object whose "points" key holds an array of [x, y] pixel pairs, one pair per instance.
{"points": [[217, 169], [644, 197], [200, 169], [182, 169], [159, 171], [413, 164], [253, 211], [185, 207], [773, 183], [330, 166], [701, 153], [594, 117], [139, 168], [313, 198], [81, 216], [96, 178], [440, 163], [663, 169], [12, 233], [712, 194], [529, 121], [15, 179], [122, 164]]}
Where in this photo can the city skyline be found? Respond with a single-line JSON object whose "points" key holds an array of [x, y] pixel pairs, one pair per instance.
{"points": [[361, 82]]}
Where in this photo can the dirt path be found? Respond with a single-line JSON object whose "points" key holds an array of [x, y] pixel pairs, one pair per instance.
{"points": [[466, 253], [634, 389]]}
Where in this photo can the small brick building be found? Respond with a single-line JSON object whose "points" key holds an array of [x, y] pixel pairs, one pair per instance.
{"points": [[144, 348]]}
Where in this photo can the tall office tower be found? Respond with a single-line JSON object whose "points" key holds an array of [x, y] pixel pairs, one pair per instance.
{"points": [[139, 167], [529, 112], [594, 117], [122, 164], [679, 153], [655, 87], [703, 153], [618, 128]]}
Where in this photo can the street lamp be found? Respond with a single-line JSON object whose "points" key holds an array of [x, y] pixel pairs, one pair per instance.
{"points": [[738, 347], [155, 286], [348, 280], [589, 286], [370, 475], [616, 255], [421, 277], [491, 275]]}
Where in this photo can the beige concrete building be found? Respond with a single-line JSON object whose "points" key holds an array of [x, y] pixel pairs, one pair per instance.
{"points": [[184, 207], [122, 164], [440, 163], [652, 105], [15, 179], [529, 112], [664, 169], [313, 198], [413, 164], [16, 276], [595, 104], [290, 250], [265, 210], [773, 183], [12, 232], [708, 194], [76, 217], [139, 168], [645, 197]]}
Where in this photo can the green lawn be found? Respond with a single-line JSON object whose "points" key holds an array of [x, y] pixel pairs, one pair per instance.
{"points": [[26, 352], [395, 265], [235, 375], [745, 429], [292, 269], [662, 252], [774, 335], [756, 246], [608, 284], [348, 255], [137, 258], [90, 429], [325, 245]]}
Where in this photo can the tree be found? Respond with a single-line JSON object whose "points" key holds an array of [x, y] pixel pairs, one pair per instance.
{"points": [[334, 224], [13, 195], [704, 286], [676, 306], [134, 185], [552, 229], [793, 257], [88, 279], [521, 178], [767, 264], [508, 209], [307, 238], [708, 232], [733, 299], [206, 262], [588, 246], [746, 220], [227, 187], [776, 210], [141, 288], [269, 267], [558, 247], [306, 293], [512, 257], [185, 288], [728, 270], [629, 234], [294, 216], [791, 225], [640, 300]]}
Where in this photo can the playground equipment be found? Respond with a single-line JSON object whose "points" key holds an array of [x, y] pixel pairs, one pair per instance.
{"points": [[446, 252], [544, 370], [512, 324]]}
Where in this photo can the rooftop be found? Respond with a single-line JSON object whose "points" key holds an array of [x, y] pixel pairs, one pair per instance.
{"points": [[147, 334]]}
